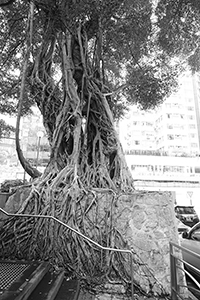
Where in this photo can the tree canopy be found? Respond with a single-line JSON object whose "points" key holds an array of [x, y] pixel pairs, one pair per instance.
{"points": [[122, 47], [130, 50], [179, 30]]}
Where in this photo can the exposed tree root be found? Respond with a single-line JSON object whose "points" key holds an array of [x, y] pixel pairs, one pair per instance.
{"points": [[44, 239]]}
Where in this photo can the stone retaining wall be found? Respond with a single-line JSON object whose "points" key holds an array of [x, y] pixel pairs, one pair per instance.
{"points": [[147, 222]]}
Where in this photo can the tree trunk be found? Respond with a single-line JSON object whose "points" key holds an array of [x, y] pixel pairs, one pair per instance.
{"points": [[33, 172], [86, 165]]}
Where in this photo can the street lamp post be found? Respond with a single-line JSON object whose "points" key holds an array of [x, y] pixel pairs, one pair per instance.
{"points": [[40, 134]]}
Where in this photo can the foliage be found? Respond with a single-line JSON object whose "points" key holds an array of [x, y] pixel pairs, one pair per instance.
{"points": [[179, 30], [10, 66], [5, 129], [126, 30]]}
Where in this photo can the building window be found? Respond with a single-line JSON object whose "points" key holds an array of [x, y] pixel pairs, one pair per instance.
{"points": [[170, 137], [170, 126], [192, 126], [168, 105], [197, 170], [191, 117], [194, 145], [173, 169]]}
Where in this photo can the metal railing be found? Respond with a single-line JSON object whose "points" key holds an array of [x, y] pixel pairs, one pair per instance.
{"points": [[83, 236], [174, 259]]}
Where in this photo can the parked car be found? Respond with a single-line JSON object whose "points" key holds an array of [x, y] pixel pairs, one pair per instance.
{"points": [[182, 227], [191, 241], [187, 215]]}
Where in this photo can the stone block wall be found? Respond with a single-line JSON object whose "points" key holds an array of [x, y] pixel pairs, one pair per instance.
{"points": [[148, 223]]}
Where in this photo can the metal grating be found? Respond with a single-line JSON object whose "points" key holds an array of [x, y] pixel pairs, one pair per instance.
{"points": [[10, 272]]}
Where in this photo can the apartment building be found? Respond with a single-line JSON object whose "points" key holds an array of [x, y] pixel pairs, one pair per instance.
{"points": [[136, 130], [162, 147], [176, 125], [173, 128]]}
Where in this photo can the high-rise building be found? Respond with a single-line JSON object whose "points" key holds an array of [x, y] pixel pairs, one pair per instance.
{"points": [[137, 130], [173, 128], [176, 125], [162, 146]]}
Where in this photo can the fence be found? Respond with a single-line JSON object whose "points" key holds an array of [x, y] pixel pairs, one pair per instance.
{"points": [[176, 264]]}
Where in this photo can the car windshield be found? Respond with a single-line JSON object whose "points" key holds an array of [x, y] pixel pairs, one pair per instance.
{"points": [[185, 210]]}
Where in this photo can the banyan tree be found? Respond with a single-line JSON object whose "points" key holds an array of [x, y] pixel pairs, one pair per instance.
{"points": [[81, 62]]}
